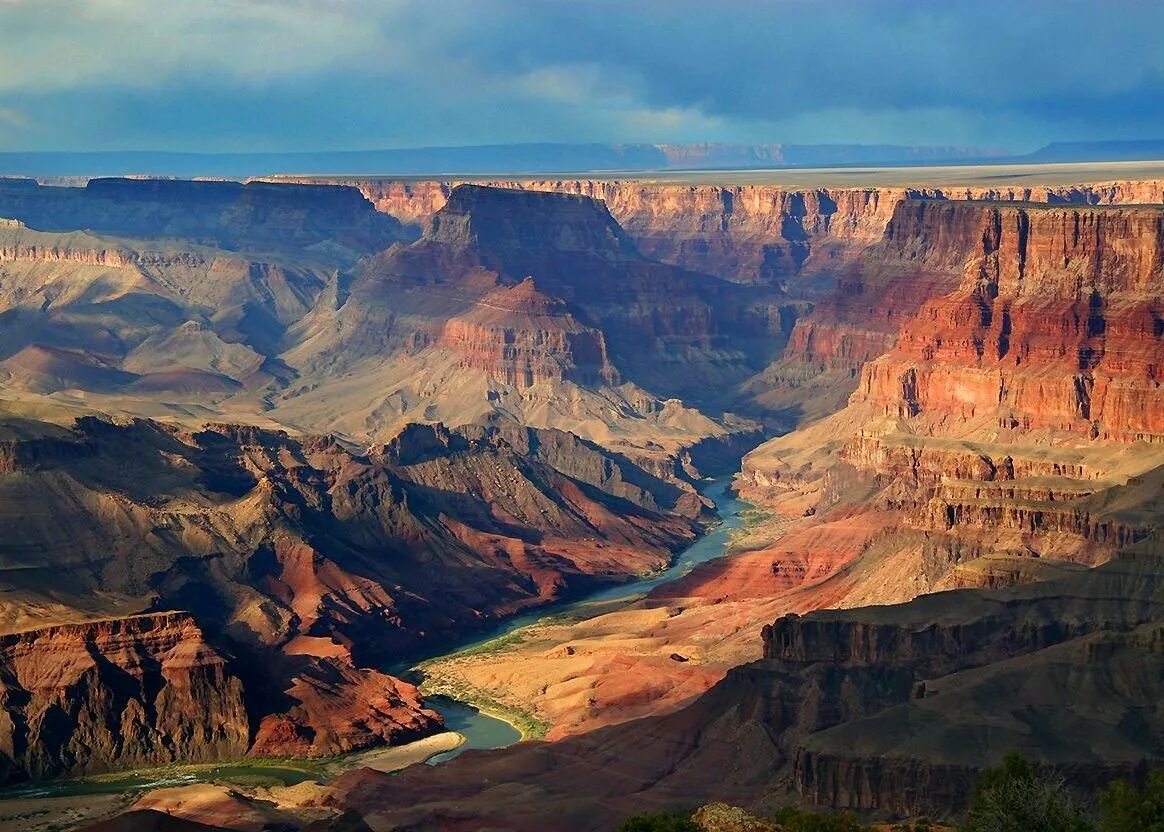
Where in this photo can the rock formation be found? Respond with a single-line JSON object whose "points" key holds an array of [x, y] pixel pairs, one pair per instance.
{"points": [[142, 690], [993, 437], [748, 233], [537, 306], [415, 431], [309, 564]]}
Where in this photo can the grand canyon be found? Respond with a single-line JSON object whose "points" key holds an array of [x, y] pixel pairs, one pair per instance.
{"points": [[288, 469], [518, 416]]}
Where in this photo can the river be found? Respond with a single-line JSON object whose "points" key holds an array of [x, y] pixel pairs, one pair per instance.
{"points": [[484, 731], [479, 729]]}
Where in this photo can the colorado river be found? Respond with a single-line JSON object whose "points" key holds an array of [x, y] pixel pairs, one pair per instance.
{"points": [[479, 729], [484, 731]]}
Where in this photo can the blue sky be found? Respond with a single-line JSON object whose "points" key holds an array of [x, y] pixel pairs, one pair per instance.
{"points": [[357, 74]]}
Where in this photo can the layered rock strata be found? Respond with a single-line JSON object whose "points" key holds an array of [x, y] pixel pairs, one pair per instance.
{"points": [[140, 691]]}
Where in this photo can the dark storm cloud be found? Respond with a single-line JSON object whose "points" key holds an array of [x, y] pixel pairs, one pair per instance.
{"points": [[305, 74]]}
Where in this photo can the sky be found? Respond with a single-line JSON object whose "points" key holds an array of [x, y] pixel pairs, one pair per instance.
{"points": [[312, 75]]}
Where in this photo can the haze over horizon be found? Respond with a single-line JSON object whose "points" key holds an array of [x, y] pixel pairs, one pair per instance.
{"points": [[307, 75]]}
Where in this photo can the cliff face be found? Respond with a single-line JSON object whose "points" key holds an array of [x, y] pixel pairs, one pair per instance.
{"points": [[515, 304], [1054, 326], [1010, 428], [537, 307], [145, 690], [522, 337], [228, 214], [749, 233]]}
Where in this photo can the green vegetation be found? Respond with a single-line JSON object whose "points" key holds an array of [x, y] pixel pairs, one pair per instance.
{"points": [[1014, 798], [787, 819], [1123, 807], [524, 721], [659, 822], [758, 528], [798, 820], [260, 771], [494, 645]]}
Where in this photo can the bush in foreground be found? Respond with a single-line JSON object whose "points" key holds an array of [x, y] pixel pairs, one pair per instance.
{"points": [[1014, 798], [1125, 808]]}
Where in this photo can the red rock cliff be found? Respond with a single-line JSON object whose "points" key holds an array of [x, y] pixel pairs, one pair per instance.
{"points": [[139, 691], [1057, 323]]}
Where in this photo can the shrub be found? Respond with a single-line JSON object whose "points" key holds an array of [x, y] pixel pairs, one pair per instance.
{"points": [[1013, 798], [795, 820], [1125, 808], [658, 822]]}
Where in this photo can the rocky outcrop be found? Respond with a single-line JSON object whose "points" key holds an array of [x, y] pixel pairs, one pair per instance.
{"points": [[336, 707], [539, 307], [145, 690], [1002, 422], [719, 817], [229, 214], [522, 337], [509, 222]]}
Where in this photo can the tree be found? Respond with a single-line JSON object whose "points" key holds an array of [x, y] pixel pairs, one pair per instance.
{"points": [[796, 820], [658, 822], [1125, 808], [1014, 798]]}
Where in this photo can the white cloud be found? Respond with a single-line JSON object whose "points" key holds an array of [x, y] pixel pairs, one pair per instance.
{"points": [[10, 116], [60, 44]]}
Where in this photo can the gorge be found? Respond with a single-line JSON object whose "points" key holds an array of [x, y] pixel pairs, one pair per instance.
{"points": [[265, 445]]}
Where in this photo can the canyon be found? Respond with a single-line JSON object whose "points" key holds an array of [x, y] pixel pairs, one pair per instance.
{"points": [[262, 445], [308, 566]]}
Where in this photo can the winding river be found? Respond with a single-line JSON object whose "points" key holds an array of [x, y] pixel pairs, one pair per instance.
{"points": [[481, 730]]}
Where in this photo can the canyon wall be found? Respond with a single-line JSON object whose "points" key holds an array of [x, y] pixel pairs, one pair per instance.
{"points": [[747, 233], [145, 690], [1014, 417], [309, 566], [229, 214], [893, 710], [1056, 323]]}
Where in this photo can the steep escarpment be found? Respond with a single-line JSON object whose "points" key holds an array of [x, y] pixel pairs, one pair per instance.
{"points": [[1011, 430], [750, 233], [1055, 325], [823, 245], [522, 337], [143, 690], [224, 214], [296, 305]]}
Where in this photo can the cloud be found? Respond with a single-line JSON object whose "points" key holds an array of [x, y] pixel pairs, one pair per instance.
{"points": [[304, 74], [11, 117]]}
